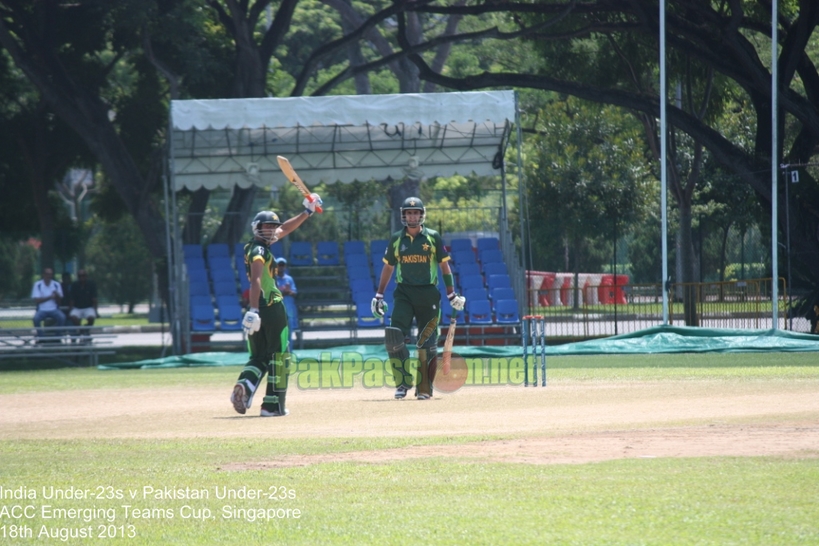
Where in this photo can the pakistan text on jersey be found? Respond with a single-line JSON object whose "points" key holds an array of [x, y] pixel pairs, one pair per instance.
{"points": [[415, 259]]}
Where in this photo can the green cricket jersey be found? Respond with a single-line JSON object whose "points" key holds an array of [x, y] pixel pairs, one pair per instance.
{"points": [[256, 250], [416, 259]]}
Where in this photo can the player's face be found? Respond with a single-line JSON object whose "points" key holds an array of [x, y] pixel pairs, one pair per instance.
{"points": [[413, 217], [268, 230]]}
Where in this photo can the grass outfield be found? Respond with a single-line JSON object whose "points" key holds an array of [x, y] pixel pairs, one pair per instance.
{"points": [[660, 449]]}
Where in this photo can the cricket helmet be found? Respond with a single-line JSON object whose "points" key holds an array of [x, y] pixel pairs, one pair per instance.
{"points": [[269, 218], [413, 203]]}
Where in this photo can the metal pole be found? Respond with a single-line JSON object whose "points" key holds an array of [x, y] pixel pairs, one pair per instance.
{"points": [[523, 210], [663, 164], [788, 243], [774, 165]]}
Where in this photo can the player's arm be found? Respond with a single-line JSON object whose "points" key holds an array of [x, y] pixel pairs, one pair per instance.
{"points": [[457, 302], [256, 270], [251, 323], [386, 273], [378, 306], [309, 208]]}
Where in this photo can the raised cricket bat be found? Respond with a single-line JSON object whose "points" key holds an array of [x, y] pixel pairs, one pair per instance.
{"points": [[450, 339], [293, 177]]}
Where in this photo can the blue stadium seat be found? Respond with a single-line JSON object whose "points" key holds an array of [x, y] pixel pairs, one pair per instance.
{"points": [[494, 268], [470, 281], [223, 274], [460, 244], [487, 243], [301, 253], [203, 319], [199, 288], [377, 248], [490, 256], [200, 299], [230, 313], [354, 248], [479, 311], [465, 269], [478, 293], [225, 288], [501, 293], [277, 249], [498, 281], [506, 312], [195, 263], [463, 257], [219, 262], [327, 253], [192, 251], [197, 274], [360, 271], [218, 249], [362, 287]]}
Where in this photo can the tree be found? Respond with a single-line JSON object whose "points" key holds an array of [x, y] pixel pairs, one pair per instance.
{"points": [[729, 38], [120, 262], [588, 175]]}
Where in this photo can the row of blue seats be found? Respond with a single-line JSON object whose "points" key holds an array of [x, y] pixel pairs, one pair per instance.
{"points": [[477, 311], [302, 253], [354, 247], [204, 313]]}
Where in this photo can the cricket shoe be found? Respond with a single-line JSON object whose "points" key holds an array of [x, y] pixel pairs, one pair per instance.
{"points": [[266, 413], [423, 396], [240, 399], [401, 392]]}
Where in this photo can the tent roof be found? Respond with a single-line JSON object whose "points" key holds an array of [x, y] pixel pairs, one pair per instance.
{"points": [[226, 142]]}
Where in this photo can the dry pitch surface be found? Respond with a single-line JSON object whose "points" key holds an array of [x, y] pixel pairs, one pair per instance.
{"points": [[566, 422]]}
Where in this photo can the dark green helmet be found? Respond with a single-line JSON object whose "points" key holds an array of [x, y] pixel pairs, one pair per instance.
{"points": [[262, 218], [413, 203]]}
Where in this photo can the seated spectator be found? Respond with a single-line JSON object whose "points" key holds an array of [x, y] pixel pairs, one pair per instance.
{"points": [[83, 300], [47, 294]]}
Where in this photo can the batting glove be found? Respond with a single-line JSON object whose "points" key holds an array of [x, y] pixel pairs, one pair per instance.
{"points": [[378, 306], [457, 302], [252, 322], [310, 206]]}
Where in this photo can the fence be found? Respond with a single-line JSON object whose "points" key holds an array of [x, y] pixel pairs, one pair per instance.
{"points": [[594, 310]]}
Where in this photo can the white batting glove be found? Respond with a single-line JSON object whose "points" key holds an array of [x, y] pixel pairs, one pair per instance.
{"points": [[252, 322], [378, 306], [457, 302], [310, 206]]}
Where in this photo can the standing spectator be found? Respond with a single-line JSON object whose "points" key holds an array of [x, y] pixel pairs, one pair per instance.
{"points": [[47, 294], [83, 300], [287, 286], [266, 321], [415, 253]]}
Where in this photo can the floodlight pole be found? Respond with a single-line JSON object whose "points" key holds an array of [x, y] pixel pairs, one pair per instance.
{"points": [[774, 167], [663, 166]]}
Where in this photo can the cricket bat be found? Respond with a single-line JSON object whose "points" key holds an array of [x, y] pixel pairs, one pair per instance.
{"points": [[293, 177], [450, 339]]}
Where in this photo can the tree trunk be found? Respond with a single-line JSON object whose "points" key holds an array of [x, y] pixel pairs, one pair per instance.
{"points": [[686, 257]]}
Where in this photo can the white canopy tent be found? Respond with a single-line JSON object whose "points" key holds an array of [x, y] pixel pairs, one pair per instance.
{"points": [[225, 143]]}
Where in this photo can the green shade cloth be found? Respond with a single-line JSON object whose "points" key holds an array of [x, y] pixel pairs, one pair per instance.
{"points": [[659, 339]]}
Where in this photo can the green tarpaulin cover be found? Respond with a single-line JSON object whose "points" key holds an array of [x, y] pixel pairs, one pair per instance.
{"points": [[660, 339]]}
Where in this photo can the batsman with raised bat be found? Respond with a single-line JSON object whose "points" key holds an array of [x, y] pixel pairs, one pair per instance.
{"points": [[414, 253], [265, 323]]}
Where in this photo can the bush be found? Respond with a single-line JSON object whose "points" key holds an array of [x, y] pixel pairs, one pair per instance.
{"points": [[734, 272]]}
